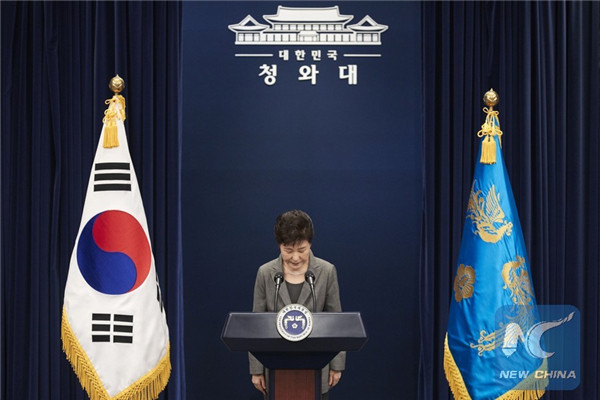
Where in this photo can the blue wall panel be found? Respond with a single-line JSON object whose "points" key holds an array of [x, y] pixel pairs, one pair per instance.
{"points": [[348, 155]]}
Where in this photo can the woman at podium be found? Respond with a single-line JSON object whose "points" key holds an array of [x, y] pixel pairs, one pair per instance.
{"points": [[294, 233]]}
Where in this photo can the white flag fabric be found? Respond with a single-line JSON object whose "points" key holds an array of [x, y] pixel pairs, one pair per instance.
{"points": [[114, 327]]}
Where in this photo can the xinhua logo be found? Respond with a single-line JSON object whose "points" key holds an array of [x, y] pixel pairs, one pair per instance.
{"points": [[532, 340], [540, 351]]}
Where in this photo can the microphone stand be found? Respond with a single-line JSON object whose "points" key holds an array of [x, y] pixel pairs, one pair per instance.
{"points": [[310, 278], [278, 278]]}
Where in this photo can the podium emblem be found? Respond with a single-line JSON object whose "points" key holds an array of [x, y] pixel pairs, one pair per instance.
{"points": [[294, 322]]}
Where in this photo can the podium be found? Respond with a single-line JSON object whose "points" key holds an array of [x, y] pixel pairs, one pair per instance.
{"points": [[294, 367]]}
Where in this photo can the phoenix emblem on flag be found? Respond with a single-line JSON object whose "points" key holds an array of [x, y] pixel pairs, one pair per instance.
{"points": [[516, 279], [517, 283], [487, 215]]}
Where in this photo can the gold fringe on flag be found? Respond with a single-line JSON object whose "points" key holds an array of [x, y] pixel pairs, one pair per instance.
{"points": [[489, 129], [147, 387], [535, 387], [115, 110], [453, 375], [530, 388]]}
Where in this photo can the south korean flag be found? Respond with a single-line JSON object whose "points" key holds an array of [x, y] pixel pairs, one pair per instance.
{"points": [[114, 328]]}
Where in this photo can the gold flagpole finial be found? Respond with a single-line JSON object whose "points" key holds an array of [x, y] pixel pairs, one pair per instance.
{"points": [[115, 110], [490, 128], [490, 98], [116, 84]]}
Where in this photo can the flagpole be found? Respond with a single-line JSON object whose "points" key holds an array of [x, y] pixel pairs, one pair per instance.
{"points": [[492, 286], [114, 328]]}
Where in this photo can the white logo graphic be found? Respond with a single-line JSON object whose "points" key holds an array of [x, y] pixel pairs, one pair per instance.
{"points": [[532, 340], [294, 322], [308, 26]]}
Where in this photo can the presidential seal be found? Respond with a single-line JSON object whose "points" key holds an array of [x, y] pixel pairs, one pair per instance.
{"points": [[294, 322]]}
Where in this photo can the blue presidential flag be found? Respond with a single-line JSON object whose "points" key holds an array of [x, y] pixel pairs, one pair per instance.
{"points": [[493, 306], [114, 328]]}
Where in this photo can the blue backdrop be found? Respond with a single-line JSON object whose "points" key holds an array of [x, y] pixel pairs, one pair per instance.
{"points": [[348, 155]]}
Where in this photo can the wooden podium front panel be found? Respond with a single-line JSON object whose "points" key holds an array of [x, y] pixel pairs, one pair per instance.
{"points": [[296, 384]]}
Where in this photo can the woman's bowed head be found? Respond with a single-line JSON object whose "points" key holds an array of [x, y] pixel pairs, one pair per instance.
{"points": [[294, 232]]}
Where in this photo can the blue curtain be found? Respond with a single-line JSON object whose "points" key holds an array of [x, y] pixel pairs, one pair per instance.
{"points": [[57, 59], [543, 58]]}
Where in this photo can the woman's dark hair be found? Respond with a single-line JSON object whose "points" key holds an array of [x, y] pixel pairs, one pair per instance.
{"points": [[292, 227]]}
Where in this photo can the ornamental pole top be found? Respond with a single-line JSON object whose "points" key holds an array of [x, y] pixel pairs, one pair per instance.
{"points": [[490, 98], [117, 84]]}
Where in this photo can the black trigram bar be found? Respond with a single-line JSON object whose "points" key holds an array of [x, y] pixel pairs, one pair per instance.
{"points": [[122, 339], [112, 177], [111, 165], [122, 328], [100, 338], [123, 318], [112, 181], [158, 295], [112, 187]]}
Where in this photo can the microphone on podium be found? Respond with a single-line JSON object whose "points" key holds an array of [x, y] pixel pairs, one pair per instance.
{"points": [[310, 279], [278, 278]]}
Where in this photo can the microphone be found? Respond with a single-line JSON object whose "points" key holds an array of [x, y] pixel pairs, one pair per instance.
{"points": [[278, 278], [310, 279]]}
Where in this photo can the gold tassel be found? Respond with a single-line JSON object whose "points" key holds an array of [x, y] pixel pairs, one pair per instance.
{"points": [[147, 387], [115, 110], [531, 388], [489, 129], [488, 150], [111, 136]]}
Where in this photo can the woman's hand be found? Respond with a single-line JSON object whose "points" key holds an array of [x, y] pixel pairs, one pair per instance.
{"points": [[334, 377], [259, 383]]}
